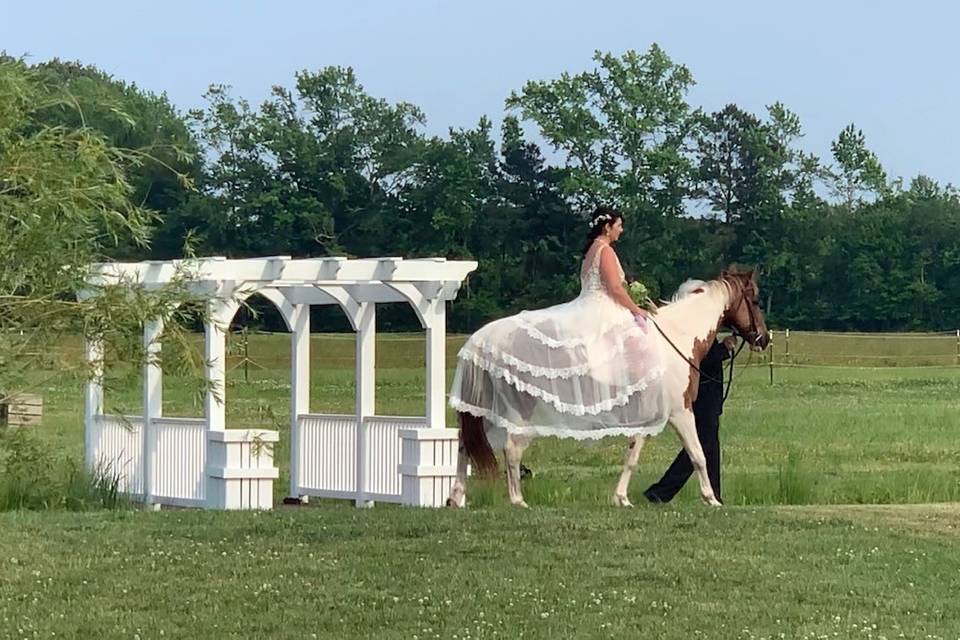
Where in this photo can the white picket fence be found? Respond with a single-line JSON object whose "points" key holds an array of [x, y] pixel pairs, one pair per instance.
{"points": [[343, 457], [327, 452], [179, 474], [181, 454], [115, 449], [372, 459]]}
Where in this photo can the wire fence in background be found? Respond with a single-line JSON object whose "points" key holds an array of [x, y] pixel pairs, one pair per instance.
{"points": [[250, 350], [859, 350]]}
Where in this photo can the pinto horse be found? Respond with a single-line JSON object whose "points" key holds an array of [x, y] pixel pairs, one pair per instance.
{"points": [[687, 329]]}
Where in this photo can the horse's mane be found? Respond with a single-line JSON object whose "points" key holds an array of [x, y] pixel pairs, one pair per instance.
{"points": [[727, 280]]}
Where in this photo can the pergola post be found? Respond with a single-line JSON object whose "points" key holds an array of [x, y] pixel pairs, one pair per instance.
{"points": [[215, 356], [152, 403], [366, 325], [436, 383], [93, 398], [299, 387]]}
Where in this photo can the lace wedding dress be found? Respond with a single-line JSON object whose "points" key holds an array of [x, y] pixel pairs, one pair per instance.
{"points": [[583, 369]]}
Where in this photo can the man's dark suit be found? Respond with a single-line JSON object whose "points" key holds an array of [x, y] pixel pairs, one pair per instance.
{"points": [[707, 410]]}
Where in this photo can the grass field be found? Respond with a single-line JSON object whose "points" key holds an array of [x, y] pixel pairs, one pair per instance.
{"points": [[818, 435], [552, 572], [822, 438]]}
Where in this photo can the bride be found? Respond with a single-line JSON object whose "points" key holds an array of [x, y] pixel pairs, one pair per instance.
{"points": [[584, 369]]}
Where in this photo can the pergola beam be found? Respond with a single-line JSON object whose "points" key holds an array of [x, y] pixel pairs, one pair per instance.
{"points": [[277, 269]]}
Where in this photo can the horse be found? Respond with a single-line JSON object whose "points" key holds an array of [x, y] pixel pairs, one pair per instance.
{"points": [[686, 329]]}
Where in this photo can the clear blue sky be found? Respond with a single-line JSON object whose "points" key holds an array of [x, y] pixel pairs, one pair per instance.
{"points": [[889, 67]]}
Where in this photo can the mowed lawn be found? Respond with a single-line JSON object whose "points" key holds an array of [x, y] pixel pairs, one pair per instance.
{"points": [[550, 572], [850, 447], [817, 435]]}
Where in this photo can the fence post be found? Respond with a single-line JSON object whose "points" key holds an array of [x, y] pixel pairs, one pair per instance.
{"points": [[770, 361], [786, 345], [428, 466], [958, 347], [240, 470], [246, 353]]}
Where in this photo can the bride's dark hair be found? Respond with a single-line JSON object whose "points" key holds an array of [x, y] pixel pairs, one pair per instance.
{"points": [[602, 216]]}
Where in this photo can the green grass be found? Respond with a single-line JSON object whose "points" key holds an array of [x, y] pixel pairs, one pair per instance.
{"points": [[34, 477], [815, 436], [570, 567], [390, 572]]}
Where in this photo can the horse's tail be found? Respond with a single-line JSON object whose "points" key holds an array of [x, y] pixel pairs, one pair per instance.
{"points": [[474, 443]]}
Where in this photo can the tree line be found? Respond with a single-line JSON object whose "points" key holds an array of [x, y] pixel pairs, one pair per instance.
{"points": [[324, 168]]}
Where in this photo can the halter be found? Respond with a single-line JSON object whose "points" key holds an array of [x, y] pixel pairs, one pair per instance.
{"points": [[754, 328], [743, 339]]}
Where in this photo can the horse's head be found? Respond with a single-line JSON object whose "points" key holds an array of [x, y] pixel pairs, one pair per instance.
{"points": [[743, 314]]}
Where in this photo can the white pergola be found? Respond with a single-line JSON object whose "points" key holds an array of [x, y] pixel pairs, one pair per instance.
{"points": [[293, 286]]}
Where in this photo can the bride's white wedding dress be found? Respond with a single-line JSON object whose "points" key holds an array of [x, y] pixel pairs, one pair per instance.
{"points": [[582, 369]]}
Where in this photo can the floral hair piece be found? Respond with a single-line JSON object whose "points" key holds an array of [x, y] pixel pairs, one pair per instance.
{"points": [[603, 217]]}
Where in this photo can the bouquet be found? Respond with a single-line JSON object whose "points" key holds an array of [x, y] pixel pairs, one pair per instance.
{"points": [[639, 293]]}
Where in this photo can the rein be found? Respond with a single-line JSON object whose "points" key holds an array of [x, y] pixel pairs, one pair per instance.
{"points": [[733, 357], [730, 377], [689, 361]]}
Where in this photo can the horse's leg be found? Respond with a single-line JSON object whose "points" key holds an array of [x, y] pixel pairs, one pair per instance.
{"points": [[686, 427], [458, 492], [513, 452], [629, 466]]}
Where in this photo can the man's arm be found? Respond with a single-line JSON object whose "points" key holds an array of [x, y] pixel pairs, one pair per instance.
{"points": [[721, 351]]}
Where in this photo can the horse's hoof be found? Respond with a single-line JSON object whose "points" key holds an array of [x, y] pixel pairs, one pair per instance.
{"points": [[622, 501], [522, 504], [712, 502]]}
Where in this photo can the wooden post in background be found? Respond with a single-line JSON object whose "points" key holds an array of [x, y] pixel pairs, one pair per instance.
{"points": [[770, 361]]}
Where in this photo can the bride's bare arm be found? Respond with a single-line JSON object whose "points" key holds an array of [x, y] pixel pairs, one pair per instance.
{"points": [[610, 274]]}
